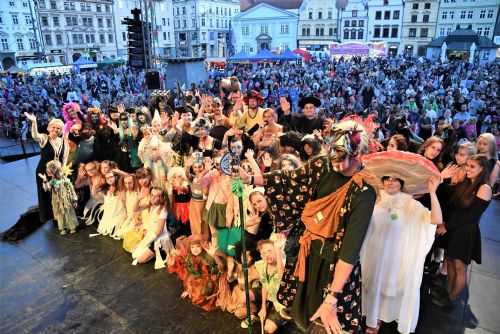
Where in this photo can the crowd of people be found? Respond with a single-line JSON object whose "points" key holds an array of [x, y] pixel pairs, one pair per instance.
{"points": [[368, 167]]}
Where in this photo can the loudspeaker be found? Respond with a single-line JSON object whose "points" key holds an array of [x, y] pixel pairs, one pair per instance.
{"points": [[153, 80]]}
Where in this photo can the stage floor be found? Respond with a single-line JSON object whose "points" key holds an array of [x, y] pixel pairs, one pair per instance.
{"points": [[76, 284]]}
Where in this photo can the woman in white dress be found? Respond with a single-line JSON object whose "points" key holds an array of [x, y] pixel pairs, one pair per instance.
{"points": [[129, 195], [113, 208], [400, 235], [156, 155]]}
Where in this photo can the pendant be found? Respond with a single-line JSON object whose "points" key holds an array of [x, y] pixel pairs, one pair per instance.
{"points": [[394, 216]]}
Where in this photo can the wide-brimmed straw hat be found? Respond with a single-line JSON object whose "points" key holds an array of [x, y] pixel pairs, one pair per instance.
{"points": [[415, 170]]}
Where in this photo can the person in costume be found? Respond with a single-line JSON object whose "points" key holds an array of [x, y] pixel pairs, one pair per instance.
{"points": [[128, 187], [252, 114], [201, 140], [113, 207], [269, 132], [305, 125], [181, 197], [400, 235], [198, 196], [198, 267], [333, 197], [63, 196], [89, 182], [52, 147]]}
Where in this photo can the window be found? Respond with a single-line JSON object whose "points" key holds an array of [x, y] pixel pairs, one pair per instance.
{"points": [[27, 19], [444, 15], [184, 23], [320, 31], [264, 29], [320, 15], [102, 39], [74, 21], [164, 35], [15, 19], [100, 23], [448, 31], [385, 32], [470, 13], [12, 4], [346, 34], [211, 23], [48, 40], [41, 4], [245, 30], [163, 21], [387, 15], [354, 23], [5, 43], [394, 32], [32, 44], [482, 14], [1, 19], [486, 31], [75, 39], [353, 34], [415, 6], [20, 44], [452, 15], [310, 15], [110, 38], [45, 21], [462, 14], [330, 31], [414, 18], [306, 32], [354, 13], [202, 22], [424, 32], [386, 2], [412, 32], [330, 16], [108, 23], [360, 34], [99, 10], [361, 23], [490, 13], [479, 31], [395, 15], [108, 10], [347, 23], [193, 23], [285, 29], [92, 38], [425, 18], [124, 36], [427, 6], [56, 21], [216, 10], [59, 40], [376, 32], [378, 15], [442, 31], [184, 11]]}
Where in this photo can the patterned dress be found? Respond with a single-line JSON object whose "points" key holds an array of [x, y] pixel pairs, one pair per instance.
{"points": [[288, 192]]}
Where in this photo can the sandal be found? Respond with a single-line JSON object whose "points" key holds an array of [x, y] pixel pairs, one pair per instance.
{"points": [[244, 323]]}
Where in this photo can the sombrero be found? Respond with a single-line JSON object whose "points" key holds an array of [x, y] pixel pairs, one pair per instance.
{"points": [[415, 170], [309, 99]]}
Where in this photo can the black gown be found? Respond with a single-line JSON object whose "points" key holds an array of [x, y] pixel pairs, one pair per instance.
{"points": [[45, 197]]}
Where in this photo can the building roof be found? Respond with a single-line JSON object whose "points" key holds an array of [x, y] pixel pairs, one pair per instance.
{"points": [[283, 4], [461, 40]]}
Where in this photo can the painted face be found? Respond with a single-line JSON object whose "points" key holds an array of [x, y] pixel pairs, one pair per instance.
{"points": [[392, 146], [482, 146], [110, 178], [105, 168], [309, 110], [129, 183], [287, 165], [268, 253], [196, 249], [473, 169], [237, 148], [259, 202], [340, 160], [72, 113], [392, 185], [432, 152], [461, 157], [155, 196]]}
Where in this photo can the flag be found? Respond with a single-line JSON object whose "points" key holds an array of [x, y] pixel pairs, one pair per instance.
{"points": [[230, 46]]}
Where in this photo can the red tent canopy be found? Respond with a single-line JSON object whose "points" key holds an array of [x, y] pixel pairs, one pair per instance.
{"points": [[305, 54]]}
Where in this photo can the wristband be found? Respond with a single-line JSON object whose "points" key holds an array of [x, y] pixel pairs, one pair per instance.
{"points": [[251, 179], [334, 294], [332, 305]]}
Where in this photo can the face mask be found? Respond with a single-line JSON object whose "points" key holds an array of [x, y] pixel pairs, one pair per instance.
{"points": [[94, 117]]}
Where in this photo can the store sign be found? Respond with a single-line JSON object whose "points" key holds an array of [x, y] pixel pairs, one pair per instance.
{"points": [[53, 52], [315, 43]]}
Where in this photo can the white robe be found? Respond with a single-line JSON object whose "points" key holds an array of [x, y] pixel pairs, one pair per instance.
{"points": [[392, 260], [114, 214]]}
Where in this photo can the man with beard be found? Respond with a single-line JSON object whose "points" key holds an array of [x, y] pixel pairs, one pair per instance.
{"points": [[85, 143], [306, 124], [253, 114], [333, 197]]}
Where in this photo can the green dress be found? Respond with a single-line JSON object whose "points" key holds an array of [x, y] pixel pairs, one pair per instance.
{"points": [[288, 192]]}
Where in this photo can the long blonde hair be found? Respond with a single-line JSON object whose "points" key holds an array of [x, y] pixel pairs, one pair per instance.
{"points": [[490, 139]]}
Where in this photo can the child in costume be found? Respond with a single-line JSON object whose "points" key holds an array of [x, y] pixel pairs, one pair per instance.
{"points": [[181, 195], [199, 269], [63, 196]]}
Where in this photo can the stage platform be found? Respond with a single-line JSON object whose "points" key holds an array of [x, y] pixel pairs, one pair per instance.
{"points": [[76, 284]]}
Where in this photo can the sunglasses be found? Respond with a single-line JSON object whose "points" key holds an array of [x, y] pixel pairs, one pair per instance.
{"points": [[123, 119]]}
